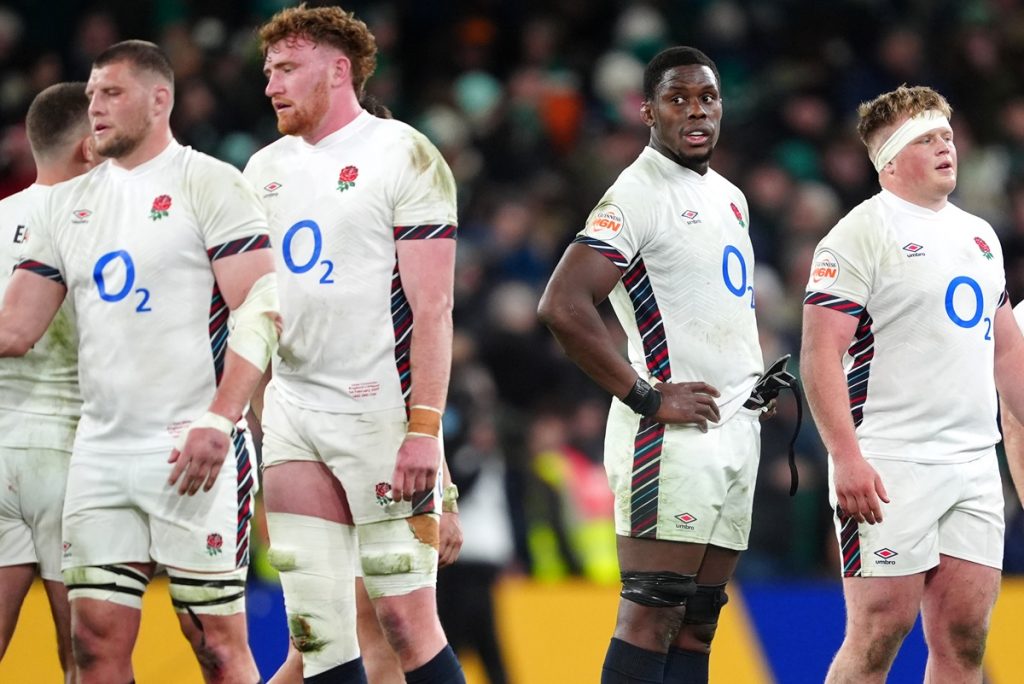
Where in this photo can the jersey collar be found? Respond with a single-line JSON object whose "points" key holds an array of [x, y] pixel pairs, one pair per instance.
{"points": [[344, 133], [672, 169], [917, 210], [145, 167]]}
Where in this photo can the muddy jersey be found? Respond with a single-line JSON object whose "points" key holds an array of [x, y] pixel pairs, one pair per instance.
{"points": [[135, 250], [686, 294], [39, 399], [924, 286], [336, 210]]}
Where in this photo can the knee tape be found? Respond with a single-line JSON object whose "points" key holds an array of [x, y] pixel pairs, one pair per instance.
{"points": [[399, 556], [316, 559], [211, 593], [119, 584], [705, 605], [658, 589]]}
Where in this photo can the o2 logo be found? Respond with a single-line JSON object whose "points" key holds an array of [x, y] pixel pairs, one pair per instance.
{"points": [[314, 257], [731, 273], [108, 264], [975, 310]]}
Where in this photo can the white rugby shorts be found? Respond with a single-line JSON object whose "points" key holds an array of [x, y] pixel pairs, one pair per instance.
{"points": [[680, 484], [954, 509]]}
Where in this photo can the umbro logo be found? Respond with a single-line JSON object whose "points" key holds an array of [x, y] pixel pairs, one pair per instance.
{"points": [[691, 217], [913, 249], [686, 519], [887, 556], [81, 215], [272, 186]]}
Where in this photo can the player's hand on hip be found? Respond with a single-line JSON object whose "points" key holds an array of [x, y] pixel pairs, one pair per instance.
{"points": [[688, 402], [859, 489], [199, 462], [416, 467], [451, 539]]}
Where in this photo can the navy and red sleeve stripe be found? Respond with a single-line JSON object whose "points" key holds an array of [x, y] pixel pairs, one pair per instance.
{"points": [[426, 232], [830, 301], [246, 244], [613, 255], [39, 268]]}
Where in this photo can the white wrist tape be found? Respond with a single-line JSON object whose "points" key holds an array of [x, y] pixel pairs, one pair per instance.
{"points": [[913, 127], [207, 420], [253, 333]]}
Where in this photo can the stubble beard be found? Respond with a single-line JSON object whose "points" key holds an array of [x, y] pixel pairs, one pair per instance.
{"points": [[124, 143], [301, 120]]}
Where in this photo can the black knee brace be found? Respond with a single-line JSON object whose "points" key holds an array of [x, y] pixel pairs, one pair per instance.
{"points": [[657, 589], [705, 605]]}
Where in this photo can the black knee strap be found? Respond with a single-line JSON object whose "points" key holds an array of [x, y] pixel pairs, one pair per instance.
{"points": [[705, 605], [657, 589]]}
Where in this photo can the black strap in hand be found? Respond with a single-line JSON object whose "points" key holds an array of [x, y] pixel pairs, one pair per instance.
{"points": [[768, 387]]}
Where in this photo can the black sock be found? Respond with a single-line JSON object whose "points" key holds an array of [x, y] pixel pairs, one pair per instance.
{"points": [[686, 667], [351, 672], [625, 663], [443, 668]]}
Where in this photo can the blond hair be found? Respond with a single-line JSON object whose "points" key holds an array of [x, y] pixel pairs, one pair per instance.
{"points": [[326, 26]]}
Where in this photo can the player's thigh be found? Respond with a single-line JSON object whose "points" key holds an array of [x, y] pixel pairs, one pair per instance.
{"points": [[296, 479], [60, 610], [958, 599], [305, 488], [104, 627], [880, 606], [15, 581], [659, 555]]}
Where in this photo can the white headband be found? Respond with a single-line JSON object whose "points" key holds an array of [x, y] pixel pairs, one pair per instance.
{"points": [[913, 127]]}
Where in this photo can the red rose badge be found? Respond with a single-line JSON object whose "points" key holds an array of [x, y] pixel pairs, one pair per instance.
{"points": [[347, 178], [214, 541], [383, 492], [739, 216], [161, 205], [983, 246]]}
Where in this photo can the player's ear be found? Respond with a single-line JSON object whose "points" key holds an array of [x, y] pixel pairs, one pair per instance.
{"points": [[341, 69], [163, 97], [87, 150], [646, 114]]}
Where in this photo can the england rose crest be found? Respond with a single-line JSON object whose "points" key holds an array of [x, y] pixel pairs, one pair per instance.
{"points": [[983, 246], [161, 205], [383, 492], [347, 178], [214, 542], [738, 214]]}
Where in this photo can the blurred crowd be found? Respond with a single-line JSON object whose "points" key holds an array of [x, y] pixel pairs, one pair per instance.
{"points": [[535, 105]]}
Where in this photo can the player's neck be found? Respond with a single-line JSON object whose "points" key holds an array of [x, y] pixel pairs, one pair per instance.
{"points": [[342, 112], [53, 171], [151, 146], [934, 202]]}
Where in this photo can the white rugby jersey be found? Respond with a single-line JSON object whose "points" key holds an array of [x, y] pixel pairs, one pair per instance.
{"points": [[134, 248], [924, 286], [336, 210], [39, 399], [686, 295]]}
